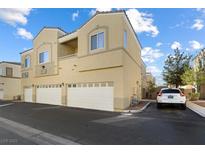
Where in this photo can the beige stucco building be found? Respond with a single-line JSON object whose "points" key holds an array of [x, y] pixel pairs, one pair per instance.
{"points": [[98, 66], [144, 80], [10, 80], [147, 78], [150, 77]]}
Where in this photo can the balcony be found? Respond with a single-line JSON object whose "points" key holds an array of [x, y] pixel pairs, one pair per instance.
{"points": [[68, 46]]}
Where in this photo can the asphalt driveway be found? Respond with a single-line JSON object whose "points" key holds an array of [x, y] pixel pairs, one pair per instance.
{"points": [[152, 126]]}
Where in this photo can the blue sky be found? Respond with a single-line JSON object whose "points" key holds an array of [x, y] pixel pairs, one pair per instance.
{"points": [[159, 30]]}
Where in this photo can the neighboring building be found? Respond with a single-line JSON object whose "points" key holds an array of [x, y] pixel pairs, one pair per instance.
{"points": [[98, 66], [10, 80], [149, 78], [144, 80], [199, 63]]}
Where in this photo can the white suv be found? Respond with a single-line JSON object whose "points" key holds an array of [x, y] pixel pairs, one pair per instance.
{"points": [[171, 96]]}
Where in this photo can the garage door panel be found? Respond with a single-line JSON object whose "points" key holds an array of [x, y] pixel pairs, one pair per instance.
{"points": [[48, 96], [28, 95], [100, 98]]}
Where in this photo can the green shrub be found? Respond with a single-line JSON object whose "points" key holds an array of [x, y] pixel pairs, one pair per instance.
{"points": [[194, 96]]}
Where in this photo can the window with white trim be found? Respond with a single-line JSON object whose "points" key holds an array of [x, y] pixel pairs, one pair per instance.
{"points": [[97, 41], [43, 57], [27, 62], [125, 39]]}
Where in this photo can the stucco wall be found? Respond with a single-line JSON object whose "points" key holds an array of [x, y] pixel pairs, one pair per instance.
{"points": [[11, 87]]}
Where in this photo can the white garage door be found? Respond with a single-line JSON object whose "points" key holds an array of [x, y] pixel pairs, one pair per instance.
{"points": [[48, 96], [1, 94], [99, 98], [28, 95]]}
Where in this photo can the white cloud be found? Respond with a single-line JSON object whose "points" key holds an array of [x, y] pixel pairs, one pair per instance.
{"points": [[198, 24], [24, 34], [157, 73], [202, 10], [195, 45], [153, 69], [159, 44], [187, 49], [142, 22], [14, 16], [75, 15], [93, 11], [150, 55], [176, 45]]}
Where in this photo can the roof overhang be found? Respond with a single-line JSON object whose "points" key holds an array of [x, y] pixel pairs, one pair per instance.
{"points": [[68, 37], [26, 51]]}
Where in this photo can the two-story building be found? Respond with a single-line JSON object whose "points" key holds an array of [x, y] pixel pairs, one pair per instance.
{"points": [[150, 77], [10, 80], [144, 80], [98, 66]]}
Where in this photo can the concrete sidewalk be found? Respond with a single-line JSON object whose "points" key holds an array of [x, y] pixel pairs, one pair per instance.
{"points": [[136, 108], [31, 135], [197, 106]]}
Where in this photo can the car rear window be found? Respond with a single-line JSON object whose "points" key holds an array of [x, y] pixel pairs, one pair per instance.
{"points": [[170, 91]]}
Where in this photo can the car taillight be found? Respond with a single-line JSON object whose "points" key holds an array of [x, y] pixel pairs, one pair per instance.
{"points": [[160, 94], [181, 94]]}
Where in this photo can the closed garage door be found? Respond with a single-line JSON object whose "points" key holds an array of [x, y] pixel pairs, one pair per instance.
{"points": [[99, 98], [48, 96], [1, 94], [28, 94]]}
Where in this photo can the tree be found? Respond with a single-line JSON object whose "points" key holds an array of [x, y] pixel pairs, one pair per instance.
{"points": [[151, 88], [188, 77], [175, 66], [200, 77], [191, 77]]}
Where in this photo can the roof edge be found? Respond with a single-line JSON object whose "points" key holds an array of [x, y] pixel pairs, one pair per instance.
{"points": [[47, 27], [25, 51], [9, 62]]}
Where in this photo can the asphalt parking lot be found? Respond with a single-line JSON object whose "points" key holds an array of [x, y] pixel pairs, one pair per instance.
{"points": [[168, 125]]}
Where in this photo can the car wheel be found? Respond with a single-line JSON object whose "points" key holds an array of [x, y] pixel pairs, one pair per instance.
{"points": [[183, 106], [158, 105]]}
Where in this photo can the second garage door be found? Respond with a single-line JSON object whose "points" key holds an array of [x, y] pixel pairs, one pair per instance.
{"points": [[99, 98], [48, 96], [28, 94]]}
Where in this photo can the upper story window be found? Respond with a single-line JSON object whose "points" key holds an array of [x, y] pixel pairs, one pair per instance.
{"points": [[125, 39], [27, 62], [43, 57], [9, 72], [97, 41]]}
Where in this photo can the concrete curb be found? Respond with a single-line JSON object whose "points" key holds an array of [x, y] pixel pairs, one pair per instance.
{"points": [[137, 111], [34, 135], [196, 108]]}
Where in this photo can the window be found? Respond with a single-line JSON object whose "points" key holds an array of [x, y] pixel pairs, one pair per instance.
{"points": [[97, 41], [43, 57], [25, 75], [9, 72], [27, 62], [170, 91], [125, 39]]}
